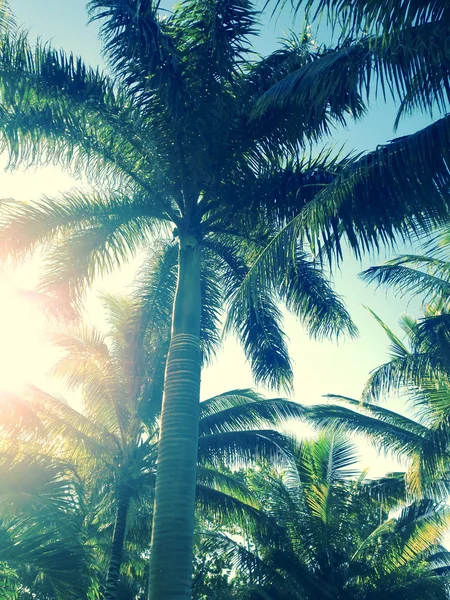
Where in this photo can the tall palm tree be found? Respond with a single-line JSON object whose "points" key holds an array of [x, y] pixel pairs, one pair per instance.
{"points": [[171, 139], [336, 537]]}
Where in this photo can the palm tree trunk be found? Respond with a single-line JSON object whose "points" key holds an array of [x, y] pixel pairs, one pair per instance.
{"points": [[170, 576], [115, 562]]}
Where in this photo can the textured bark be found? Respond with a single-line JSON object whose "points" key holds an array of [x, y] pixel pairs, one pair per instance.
{"points": [[170, 576], [115, 562]]}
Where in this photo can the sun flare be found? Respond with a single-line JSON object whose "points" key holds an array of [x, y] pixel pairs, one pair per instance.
{"points": [[25, 356]]}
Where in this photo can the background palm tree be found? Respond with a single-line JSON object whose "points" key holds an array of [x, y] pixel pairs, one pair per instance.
{"points": [[40, 526], [420, 440], [418, 369], [335, 535], [112, 443], [421, 362]]}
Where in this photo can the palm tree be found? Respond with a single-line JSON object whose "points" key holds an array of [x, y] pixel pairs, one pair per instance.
{"points": [[418, 369], [40, 526], [419, 362], [171, 139], [113, 442], [336, 537]]}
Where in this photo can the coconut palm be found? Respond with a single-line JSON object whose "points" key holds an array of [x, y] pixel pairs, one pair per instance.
{"points": [[171, 139], [423, 359], [120, 480], [336, 537], [419, 361]]}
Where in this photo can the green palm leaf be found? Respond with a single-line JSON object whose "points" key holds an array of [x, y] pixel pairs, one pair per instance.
{"points": [[391, 15], [410, 64], [386, 435], [298, 280], [423, 275], [241, 448]]}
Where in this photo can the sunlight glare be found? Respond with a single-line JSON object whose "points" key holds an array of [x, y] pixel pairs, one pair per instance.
{"points": [[24, 354]]}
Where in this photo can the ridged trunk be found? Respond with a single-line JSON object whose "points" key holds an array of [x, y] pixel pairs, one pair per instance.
{"points": [[115, 562], [170, 573]]}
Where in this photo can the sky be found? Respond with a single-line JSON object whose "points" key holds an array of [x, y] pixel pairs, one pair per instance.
{"points": [[320, 367]]}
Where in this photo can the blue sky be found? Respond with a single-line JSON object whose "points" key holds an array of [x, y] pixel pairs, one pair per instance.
{"points": [[319, 367]]}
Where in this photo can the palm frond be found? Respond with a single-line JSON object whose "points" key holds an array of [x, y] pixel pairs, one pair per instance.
{"points": [[229, 399], [390, 491], [299, 92], [410, 64], [384, 414], [241, 448], [46, 118], [386, 435], [424, 275], [219, 30], [63, 561], [24, 226], [364, 15], [101, 391], [432, 335], [64, 423], [142, 46], [88, 366], [291, 126], [418, 528], [328, 459], [353, 206], [254, 414], [300, 283], [33, 484], [399, 373], [278, 193], [258, 328], [227, 483], [7, 20], [16, 415], [98, 249], [225, 508], [397, 347]]}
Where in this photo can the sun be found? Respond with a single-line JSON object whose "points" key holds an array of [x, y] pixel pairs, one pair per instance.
{"points": [[25, 354]]}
